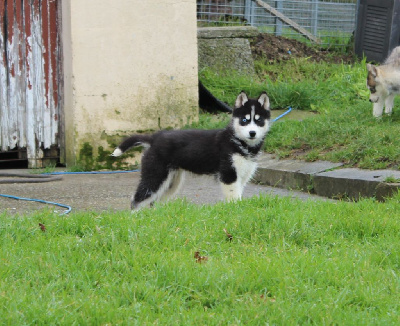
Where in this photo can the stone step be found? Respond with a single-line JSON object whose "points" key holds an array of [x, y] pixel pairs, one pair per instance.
{"points": [[326, 179]]}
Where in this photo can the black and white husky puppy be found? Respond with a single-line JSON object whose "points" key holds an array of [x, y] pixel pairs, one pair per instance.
{"points": [[230, 154]]}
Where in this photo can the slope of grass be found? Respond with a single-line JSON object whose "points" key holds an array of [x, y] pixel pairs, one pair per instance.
{"points": [[288, 263], [343, 130]]}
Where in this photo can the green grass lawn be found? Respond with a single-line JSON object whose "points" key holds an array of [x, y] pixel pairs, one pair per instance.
{"points": [[288, 263], [343, 129]]}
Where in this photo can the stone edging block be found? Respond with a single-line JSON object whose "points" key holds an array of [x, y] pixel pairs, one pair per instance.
{"points": [[354, 183], [290, 174], [325, 179]]}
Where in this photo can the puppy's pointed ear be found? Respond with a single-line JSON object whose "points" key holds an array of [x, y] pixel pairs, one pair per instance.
{"points": [[372, 69], [241, 100], [263, 99]]}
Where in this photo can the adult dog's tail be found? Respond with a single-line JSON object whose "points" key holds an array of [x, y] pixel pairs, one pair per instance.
{"points": [[132, 141]]}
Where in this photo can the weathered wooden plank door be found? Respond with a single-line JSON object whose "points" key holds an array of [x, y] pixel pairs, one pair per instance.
{"points": [[30, 79]]}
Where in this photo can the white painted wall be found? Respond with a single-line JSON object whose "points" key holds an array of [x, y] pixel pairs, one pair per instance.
{"points": [[129, 65]]}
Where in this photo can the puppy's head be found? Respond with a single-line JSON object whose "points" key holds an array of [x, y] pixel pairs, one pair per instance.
{"points": [[373, 83], [251, 118]]}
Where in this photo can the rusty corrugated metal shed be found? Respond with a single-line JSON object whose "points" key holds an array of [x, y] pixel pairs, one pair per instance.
{"points": [[30, 75]]}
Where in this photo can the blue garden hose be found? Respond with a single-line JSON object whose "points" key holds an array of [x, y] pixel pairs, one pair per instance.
{"points": [[69, 208], [90, 172], [283, 114]]}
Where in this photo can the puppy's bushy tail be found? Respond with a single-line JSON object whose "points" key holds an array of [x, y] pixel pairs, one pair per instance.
{"points": [[132, 141]]}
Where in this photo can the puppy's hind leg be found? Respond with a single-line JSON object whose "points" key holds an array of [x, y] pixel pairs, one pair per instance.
{"points": [[151, 188], [389, 103], [175, 185], [143, 197]]}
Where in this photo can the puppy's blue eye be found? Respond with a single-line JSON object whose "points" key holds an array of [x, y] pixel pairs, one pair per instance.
{"points": [[244, 120]]}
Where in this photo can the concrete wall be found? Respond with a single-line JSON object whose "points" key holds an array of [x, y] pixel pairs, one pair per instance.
{"points": [[226, 48], [129, 65]]}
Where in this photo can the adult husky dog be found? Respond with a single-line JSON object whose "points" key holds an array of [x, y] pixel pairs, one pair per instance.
{"points": [[230, 154], [384, 83]]}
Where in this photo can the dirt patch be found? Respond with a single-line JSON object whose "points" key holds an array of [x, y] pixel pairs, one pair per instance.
{"points": [[277, 48]]}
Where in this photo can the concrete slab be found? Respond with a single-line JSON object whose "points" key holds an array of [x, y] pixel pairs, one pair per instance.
{"points": [[355, 183], [290, 174], [327, 179], [112, 192]]}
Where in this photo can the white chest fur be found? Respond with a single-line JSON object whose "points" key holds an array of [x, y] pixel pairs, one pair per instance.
{"points": [[245, 168]]}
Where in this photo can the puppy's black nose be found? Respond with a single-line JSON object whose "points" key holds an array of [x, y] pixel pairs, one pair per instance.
{"points": [[252, 134]]}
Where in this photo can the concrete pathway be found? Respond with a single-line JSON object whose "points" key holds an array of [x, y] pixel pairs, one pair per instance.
{"points": [[291, 178], [103, 192]]}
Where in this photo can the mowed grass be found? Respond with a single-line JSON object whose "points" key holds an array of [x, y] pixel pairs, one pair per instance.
{"points": [[288, 263], [343, 128]]}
